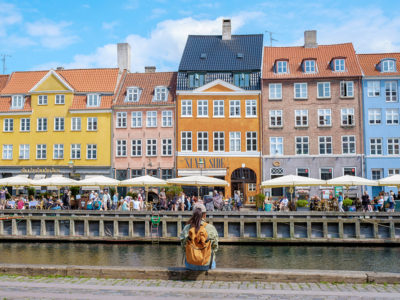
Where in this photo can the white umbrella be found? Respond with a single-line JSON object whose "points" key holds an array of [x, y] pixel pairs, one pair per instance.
{"points": [[55, 181], [349, 180], [145, 181], [393, 180], [98, 181], [198, 181], [15, 181]]}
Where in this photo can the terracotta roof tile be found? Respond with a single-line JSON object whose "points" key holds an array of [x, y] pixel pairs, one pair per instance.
{"points": [[5, 104], [79, 102], [323, 55], [147, 82], [3, 81], [368, 63], [22, 82]]}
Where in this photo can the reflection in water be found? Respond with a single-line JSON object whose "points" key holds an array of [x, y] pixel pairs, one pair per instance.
{"points": [[233, 256]]}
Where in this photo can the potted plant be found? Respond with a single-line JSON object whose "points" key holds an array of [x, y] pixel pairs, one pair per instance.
{"points": [[302, 205], [347, 203], [260, 201]]}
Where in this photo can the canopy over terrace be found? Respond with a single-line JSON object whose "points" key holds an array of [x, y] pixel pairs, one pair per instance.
{"points": [[198, 180], [145, 181], [393, 180], [349, 180], [101, 181], [19, 180]]}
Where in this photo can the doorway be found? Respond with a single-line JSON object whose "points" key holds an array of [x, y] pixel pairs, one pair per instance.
{"points": [[240, 178]]}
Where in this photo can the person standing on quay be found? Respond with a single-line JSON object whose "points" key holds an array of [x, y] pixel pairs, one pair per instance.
{"points": [[340, 202]]}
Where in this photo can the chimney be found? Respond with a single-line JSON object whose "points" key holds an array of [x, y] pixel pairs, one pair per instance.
{"points": [[310, 39], [226, 29], [60, 68], [124, 56], [150, 69]]}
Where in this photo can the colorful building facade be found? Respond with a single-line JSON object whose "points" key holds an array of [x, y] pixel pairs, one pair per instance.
{"points": [[218, 110], [381, 107]]}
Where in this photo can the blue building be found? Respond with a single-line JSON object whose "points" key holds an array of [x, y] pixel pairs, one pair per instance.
{"points": [[381, 107]]}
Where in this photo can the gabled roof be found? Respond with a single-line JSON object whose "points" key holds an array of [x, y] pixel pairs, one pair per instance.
{"points": [[323, 55], [222, 55], [369, 62], [5, 104], [3, 81], [81, 80], [59, 78], [147, 82]]}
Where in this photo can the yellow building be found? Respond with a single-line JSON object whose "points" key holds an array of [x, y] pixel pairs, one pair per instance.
{"points": [[57, 121]]}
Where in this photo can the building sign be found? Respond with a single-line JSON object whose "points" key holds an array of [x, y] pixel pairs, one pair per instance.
{"points": [[205, 163], [39, 170], [276, 164]]}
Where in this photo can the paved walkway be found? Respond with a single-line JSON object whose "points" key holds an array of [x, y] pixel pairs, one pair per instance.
{"points": [[19, 287]]}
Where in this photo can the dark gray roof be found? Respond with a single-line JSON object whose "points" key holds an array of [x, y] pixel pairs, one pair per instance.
{"points": [[222, 55]]}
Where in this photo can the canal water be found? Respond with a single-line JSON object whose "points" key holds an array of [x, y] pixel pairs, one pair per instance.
{"points": [[382, 259]]}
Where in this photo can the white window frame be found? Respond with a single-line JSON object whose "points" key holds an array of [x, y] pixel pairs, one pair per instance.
{"points": [[275, 91], [234, 109], [391, 94], [58, 151], [324, 117], [7, 152], [326, 141], [93, 100], [310, 66], [300, 91], [121, 148], [218, 137], [166, 118], [186, 108], [393, 171], [388, 66], [151, 147], [92, 124], [392, 116], [151, 119], [59, 99], [325, 168], [76, 124], [347, 117], [218, 109], [160, 94], [202, 141], [282, 67], [17, 102], [325, 87], [136, 119], [187, 141], [274, 115], [136, 148], [376, 143], [42, 124], [42, 100], [41, 151], [202, 108], [24, 151], [133, 94], [166, 146], [347, 89], [339, 65], [8, 125], [121, 119], [92, 150], [303, 141], [350, 142], [59, 124], [251, 108], [235, 141], [75, 151], [373, 88], [376, 170], [393, 142], [276, 142], [25, 125], [252, 141], [301, 118], [374, 115], [344, 170]]}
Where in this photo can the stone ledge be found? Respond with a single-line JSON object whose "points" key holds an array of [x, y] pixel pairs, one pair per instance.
{"points": [[212, 275]]}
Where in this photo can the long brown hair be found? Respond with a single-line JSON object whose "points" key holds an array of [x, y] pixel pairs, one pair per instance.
{"points": [[195, 220]]}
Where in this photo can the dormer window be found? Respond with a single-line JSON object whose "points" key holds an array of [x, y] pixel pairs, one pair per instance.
{"points": [[93, 100], [388, 65], [242, 79], [132, 94], [309, 66], [17, 102], [281, 66], [160, 93], [196, 80], [339, 65]]}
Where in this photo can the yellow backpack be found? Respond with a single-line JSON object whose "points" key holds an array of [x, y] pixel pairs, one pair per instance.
{"points": [[198, 246]]}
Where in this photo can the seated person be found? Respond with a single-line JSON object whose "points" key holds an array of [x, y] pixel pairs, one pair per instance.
{"points": [[56, 205], [125, 205], [89, 205], [10, 204]]}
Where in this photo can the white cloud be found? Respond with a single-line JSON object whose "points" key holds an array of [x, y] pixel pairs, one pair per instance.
{"points": [[109, 25], [157, 12], [164, 47], [51, 34], [9, 15], [131, 4]]}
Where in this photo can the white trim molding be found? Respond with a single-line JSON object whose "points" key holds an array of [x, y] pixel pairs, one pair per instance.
{"points": [[89, 111], [16, 113], [219, 154], [51, 72]]}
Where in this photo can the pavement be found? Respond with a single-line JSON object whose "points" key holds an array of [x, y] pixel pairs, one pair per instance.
{"points": [[23, 287]]}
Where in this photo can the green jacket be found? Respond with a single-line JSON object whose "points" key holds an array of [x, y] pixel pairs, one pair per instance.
{"points": [[211, 231]]}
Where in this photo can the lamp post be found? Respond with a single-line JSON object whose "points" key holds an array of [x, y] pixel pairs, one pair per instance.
{"points": [[201, 165]]}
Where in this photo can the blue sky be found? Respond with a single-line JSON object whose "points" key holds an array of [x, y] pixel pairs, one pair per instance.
{"points": [[74, 34]]}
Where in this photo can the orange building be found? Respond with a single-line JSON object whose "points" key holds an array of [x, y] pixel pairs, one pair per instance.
{"points": [[218, 110]]}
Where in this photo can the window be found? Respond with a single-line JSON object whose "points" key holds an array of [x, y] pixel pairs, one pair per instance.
{"points": [[42, 100], [393, 172], [41, 151], [234, 108], [275, 91], [375, 146], [252, 187], [300, 90], [376, 174], [160, 93], [7, 151], [92, 124], [302, 145], [392, 116], [347, 116], [309, 66], [93, 100], [251, 108], [234, 141], [391, 91], [91, 151], [242, 79], [60, 99], [76, 124], [136, 148], [121, 148], [324, 90], [186, 141], [326, 173], [186, 108], [275, 118], [196, 80], [349, 171], [166, 174], [301, 118], [166, 118], [151, 147], [202, 141], [393, 145], [325, 144], [167, 147], [58, 124], [25, 124], [137, 173], [132, 94], [346, 89], [24, 151], [136, 119], [121, 119], [324, 117], [202, 108], [58, 151], [75, 151], [339, 65], [219, 141], [373, 88], [218, 106], [151, 119], [276, 145], [374, 116], [348, 144], [17, 102], [281, 66], [251, 141], [42, 124], [8, 125], [304, 172], [388, 65]]}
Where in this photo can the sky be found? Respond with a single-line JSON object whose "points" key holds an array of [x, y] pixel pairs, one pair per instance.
{"points": [[39, 34]]}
